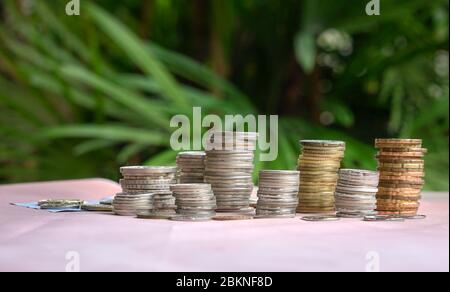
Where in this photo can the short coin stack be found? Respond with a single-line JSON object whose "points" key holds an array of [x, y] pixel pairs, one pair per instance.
{"points": [[191, 167], [277, 194], [319, 164], [130, 205], [163, 206], [356, 193], [229, 168], [401, 167], [195, 202], [139, 183]]}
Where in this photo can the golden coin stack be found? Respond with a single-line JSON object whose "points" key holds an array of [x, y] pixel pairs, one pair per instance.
{"points": [[401, 167], [319, 164]]}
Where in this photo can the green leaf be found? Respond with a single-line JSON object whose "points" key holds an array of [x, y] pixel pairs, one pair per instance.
{"points": [[114, 133], [92, 145], [202, 75], [151, 110], [130, 150], [166, 157], [137, 52], [305, 50]]}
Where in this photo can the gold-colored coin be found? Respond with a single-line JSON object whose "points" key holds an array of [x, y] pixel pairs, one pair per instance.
{"points": [[400, 212], [399, 197], [385, 154], [315, 209], [401, 165], [405, 149], [398, 143], [394, 191], [413, 174]]}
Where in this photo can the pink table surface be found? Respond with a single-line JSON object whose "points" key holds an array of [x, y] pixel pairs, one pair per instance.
{"points": [[34, 240]]}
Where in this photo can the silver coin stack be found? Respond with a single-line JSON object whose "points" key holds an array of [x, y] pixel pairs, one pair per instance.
{"points": [[139, 185], [191, 167], [195, 202], [277, 194], [163, 206], [229, 169], [129, 205], [356, 193]]}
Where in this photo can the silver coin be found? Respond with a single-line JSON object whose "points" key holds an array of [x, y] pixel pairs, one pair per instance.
{"points": [[97, 207], [377, 218], [320, 218], [280, 216], [192, 153], [349, 215], [322, 143], [411, 217], [153, 215], [189, 218], [142, 170]]}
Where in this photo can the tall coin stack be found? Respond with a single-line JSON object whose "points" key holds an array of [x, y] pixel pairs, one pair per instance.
{"points": [[191, 167], [356, 193], [229, 168], [319, 164], [277, 193], [139, 185], [401, 167], [195, 202]]}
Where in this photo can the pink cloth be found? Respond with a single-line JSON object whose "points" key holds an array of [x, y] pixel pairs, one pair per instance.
{"points": [[33, 240]]}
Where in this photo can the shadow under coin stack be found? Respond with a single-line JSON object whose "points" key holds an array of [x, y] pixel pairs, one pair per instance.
{"points": [[356, 193], [139, 185], [277, 194], [195, 202], [191, 167], [229, 169], [319, 164], [401, 167]]}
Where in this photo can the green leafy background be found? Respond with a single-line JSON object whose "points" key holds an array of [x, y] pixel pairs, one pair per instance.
{"points": [[82, 95]]}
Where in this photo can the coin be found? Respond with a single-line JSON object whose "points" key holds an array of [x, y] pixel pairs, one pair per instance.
{"points": [[189, 218], [320, 218], [401, 176], [413, 217], [318, 164], [277, 193], [194, 200], [97, 207], [398, 143], [229, 167], [383, 218], [154, 215], [191, 166], [145, 170], [145, 188], [231, 217]]}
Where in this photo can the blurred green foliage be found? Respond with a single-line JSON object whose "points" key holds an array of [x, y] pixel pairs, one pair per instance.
{"points": [[82, 95]]}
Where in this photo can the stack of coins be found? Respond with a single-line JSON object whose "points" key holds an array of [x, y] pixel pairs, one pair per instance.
{"points": [[163, 206], [401, 167], [131, 204], [277, 194], [139, 183], [229, 169], [319, 164], [195, 202], [191, 167], [356, 193]]}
